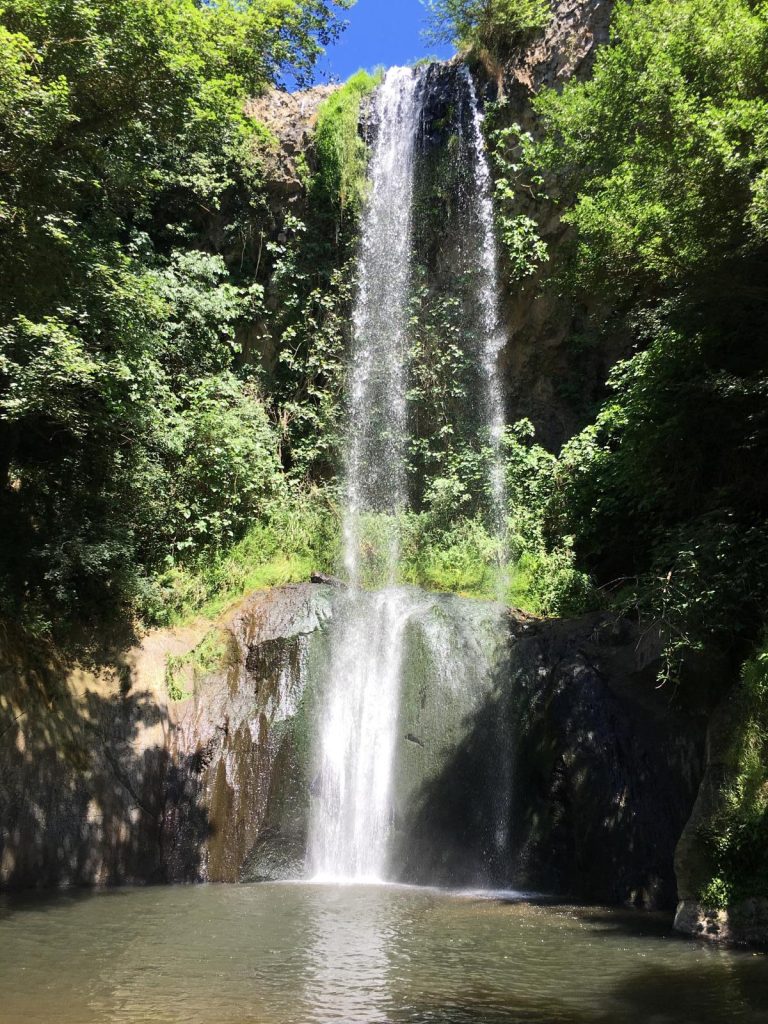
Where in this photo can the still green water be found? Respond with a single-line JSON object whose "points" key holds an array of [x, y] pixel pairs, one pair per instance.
{"points": [[304, 954]]}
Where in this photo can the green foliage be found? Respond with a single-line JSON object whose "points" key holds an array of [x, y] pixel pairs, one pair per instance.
{"points": [[525, 250], [450, 546], [661, 162], [341, 153], [514, 184], [299, 532], [132, 430], [654, 493], [201, 310], [736, 837], [666, 145], [462, 558], [312, 277], [495, 26], [296, 533], [545, 577], [225, 464], [312, 281]]}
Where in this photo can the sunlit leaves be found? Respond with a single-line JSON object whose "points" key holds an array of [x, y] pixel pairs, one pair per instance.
{"points": [[132, 427], [665, 147], [491, 25]]}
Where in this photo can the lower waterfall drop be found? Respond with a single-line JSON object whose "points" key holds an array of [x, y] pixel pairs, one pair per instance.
{"points": [[352, 817]]}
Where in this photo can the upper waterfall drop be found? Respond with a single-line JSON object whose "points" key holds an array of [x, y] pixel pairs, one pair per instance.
{"points": [[491, 329], [351, 809], [375, 463]]}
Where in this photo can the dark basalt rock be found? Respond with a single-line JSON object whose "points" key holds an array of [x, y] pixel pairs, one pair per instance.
{"points": [[606, 772], [326, 580], [568, 774]]}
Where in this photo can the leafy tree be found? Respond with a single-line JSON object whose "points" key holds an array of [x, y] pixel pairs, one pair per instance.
{"points": [[662, 158], [491, 25], [131, 429], [666, 146], [224, 465]]}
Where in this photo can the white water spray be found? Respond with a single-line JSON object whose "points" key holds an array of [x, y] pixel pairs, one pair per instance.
{"points": [[490, 324], [351, 810]]}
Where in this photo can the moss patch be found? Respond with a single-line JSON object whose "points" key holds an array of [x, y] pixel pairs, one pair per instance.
{"points": [[214, 652], [736, 835], [342, 153]]}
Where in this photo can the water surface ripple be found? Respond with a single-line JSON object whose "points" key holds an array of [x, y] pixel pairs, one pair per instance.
{"points": [[311, 954]]}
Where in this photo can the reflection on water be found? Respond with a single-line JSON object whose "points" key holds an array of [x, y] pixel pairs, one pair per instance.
{"points": [[308, 954], [346, 947]]}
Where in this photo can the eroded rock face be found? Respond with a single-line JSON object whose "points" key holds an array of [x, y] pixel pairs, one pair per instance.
{"points": [[105, 781], [82, 765], [566, 48], [290, 118], [238, 788], [530, 753]]}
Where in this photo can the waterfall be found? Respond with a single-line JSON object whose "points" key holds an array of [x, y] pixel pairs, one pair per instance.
{"points": [[351, 812], [490, 326], [351, 809], [375, 471]]}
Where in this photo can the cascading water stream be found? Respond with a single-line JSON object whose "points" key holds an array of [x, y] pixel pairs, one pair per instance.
{"points": [[351, 809], [351, 812], [494, 339], [490, 326], [375, 470]]}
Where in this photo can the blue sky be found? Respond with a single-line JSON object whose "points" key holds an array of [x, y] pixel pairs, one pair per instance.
{"points": [[380, 32]]}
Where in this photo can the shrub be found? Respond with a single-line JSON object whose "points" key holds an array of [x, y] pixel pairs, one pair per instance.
{"points": [[492, 25]]}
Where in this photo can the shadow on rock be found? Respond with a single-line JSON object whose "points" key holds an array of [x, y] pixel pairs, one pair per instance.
{"points": [[82, 778], [573, 775]]}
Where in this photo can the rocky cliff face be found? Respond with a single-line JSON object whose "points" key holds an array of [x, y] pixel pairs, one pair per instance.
{"points": [[290, 119], [565, 49], [239, 783], [104, 780], [530, 754], [745, 920], [558, 353], [607, 769]]}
